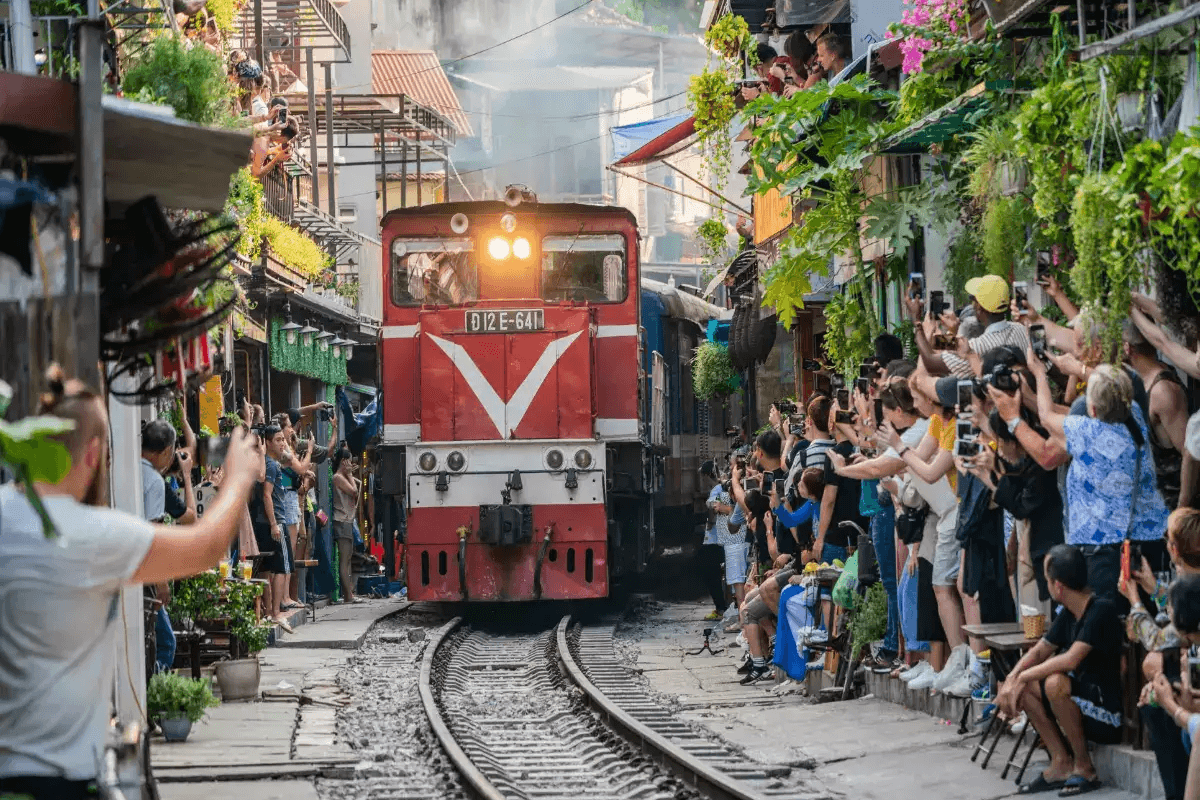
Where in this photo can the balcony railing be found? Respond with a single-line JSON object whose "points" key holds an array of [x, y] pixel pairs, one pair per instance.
{"points": [[291, 26]]}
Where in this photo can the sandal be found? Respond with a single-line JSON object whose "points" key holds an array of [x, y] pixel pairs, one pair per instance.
{"points": [[283, 623], [712, 615], [1078, 784], [1040, 784], [291, 605]]}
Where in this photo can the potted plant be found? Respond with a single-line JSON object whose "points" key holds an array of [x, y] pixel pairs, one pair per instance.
{"points": [[176, 703], [239, 676]]}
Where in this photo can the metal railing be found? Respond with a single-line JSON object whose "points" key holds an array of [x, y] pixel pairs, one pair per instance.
{"points": [[53, 45]]}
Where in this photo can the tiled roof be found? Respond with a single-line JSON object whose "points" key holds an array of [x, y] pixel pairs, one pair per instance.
{"points": [[418, 74]]}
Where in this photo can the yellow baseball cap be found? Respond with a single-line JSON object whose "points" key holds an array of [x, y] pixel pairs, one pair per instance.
{"points": [[991, 291]]}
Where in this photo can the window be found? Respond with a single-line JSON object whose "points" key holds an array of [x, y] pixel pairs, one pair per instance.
{"points": [[587, 268], [433, 272]]}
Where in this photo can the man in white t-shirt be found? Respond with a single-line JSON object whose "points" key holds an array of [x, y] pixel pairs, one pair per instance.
{"points": [[60, 622]]}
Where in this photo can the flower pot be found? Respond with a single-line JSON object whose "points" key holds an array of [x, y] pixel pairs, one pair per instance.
{"points": [[176, 729], [1012, 177], [238, 679], [1131, 110]]}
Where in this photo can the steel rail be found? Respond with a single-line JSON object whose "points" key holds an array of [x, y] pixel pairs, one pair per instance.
{"points": [[476, 780], [711, 783]]}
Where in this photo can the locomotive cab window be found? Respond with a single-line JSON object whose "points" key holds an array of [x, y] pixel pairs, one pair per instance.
{"points": [[433, 272], [582, 268]]}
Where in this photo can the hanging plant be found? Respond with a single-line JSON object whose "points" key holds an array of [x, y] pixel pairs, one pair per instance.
{"points": [[711, 95], [1002, 237], [308, 360], [848, 331], [713, 374], [712, 235], [295, 248], [191, 80]]}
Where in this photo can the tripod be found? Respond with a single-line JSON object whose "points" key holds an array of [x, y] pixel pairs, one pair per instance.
{"points": [[706, 646]]}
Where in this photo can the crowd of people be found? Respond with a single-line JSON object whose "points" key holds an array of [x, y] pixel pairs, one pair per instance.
{"points": [[1007, 471]]}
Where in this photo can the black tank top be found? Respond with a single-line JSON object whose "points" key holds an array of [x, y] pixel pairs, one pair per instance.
{"points": [[1168, 462]]}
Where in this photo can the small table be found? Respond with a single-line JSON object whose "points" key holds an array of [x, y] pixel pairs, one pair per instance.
{"points": [[1003, 646], [974, 632]]}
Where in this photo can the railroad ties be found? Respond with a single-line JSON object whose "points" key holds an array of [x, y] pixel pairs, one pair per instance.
{"points": [[555, 715]]}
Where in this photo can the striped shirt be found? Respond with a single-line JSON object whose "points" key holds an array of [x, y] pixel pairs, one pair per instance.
{"points": [[998, 334]]}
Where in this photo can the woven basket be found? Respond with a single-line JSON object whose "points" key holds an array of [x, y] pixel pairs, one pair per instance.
{"points": [[1035, 626]]}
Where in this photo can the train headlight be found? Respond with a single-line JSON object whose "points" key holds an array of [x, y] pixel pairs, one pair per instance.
{"points": [[521, 248], [583, 459], [554, 459], [508, 223], [498, 248], [456, 461], [427, 462]]}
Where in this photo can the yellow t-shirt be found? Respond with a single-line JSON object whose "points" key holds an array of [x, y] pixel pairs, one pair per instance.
{"points": [[945, 434]]}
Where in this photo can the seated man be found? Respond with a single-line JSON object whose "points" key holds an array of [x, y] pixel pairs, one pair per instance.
{"points": [[1069, 684]]}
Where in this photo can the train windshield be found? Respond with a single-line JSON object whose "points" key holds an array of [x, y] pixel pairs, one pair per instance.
{"points": [[587, 268], [434, 271]]}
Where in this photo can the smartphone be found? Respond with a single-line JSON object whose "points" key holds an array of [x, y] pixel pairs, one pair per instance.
{"points": [[281, 115], [878, 412], [824, 385], [1021, 293], [863, 385], [1037, 340], [1194, 669], [964, 430], [752, 484], [966, 448], [966, 392], [867, 369], [916, 286], [837, 381], [843, 399], [779, 484], [937, 303]]}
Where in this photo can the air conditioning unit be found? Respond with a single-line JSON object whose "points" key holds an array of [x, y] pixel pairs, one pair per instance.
{"points": [[347, 213]]}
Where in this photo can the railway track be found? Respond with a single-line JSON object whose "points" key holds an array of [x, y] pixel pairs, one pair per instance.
{"points": [[555, 715]]}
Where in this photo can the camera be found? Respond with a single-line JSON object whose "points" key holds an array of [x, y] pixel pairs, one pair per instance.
{"points": [[937, 303], [966, 448], [786, 408], [916, 286], [1004, 378], [324, 414], [811, 365], [1021, 294]]}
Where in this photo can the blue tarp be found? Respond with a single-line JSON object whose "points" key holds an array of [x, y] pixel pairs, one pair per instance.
{"points": [[627, 138], [362, 427]]}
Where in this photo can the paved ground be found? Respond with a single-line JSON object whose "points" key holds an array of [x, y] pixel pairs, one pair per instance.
{"points": [[288, 733], [864, 749]]}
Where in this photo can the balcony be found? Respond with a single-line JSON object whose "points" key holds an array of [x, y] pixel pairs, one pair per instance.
{"points": [[291, 27], [287, 193]]}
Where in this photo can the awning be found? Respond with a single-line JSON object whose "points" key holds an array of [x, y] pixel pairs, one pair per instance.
{"points": [[960, 114], [627, 138], [676, 137]]}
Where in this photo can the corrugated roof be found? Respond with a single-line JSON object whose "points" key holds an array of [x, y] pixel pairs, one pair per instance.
{"points": [[418, 74]]}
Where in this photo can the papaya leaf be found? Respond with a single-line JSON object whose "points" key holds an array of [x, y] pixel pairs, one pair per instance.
{"points": [[27, 447]]}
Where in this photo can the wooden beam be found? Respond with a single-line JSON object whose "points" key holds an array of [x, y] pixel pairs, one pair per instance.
{"points": [[1143, 31]]}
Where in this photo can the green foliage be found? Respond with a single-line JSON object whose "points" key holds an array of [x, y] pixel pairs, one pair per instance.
{"points": [[868, 622], [224, 13], [922, 94], [191, 80], [309, 361], [292, 247], [964, 261], [991, 147], [713, 374], [849, 330], [712, 235], [730, 36], [206, 598], [28, 448], [910, 208], [711, 95], [170, 695], [295, 248], [1003, 238]]}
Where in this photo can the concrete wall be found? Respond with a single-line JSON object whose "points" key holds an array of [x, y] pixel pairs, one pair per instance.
{"points": [[454, 28], [356, 184]]}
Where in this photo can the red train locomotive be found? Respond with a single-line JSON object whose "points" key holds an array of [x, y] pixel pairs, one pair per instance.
{"points": [[513, 400]]}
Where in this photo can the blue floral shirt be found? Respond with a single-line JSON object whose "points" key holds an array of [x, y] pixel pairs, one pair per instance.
{"points": [[1100, 483]]}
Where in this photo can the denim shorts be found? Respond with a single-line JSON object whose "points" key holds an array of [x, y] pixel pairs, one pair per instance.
{"points": [[291, 508], [737, 562]]}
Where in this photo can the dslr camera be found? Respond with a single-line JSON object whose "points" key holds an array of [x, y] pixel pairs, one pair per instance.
{"points": [[1004, 378], [786, 407]]}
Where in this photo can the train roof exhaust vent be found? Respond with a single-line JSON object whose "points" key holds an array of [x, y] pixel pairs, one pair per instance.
{"points": [[516, 194]]}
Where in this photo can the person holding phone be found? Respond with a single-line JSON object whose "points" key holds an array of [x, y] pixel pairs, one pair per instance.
{"points": [[1163, 643], [1174, 692]]}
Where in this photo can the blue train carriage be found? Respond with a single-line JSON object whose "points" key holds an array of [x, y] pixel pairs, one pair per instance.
{"points": [[683, 432]]}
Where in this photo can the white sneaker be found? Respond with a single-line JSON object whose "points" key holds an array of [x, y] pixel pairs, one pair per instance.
{"points": [[1018, 727], [924, 680], [740, 641], [956, 667], [963, 686], [915, 671]]}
